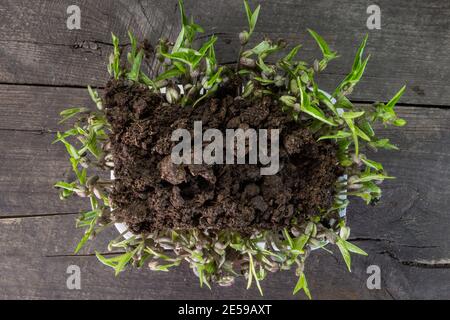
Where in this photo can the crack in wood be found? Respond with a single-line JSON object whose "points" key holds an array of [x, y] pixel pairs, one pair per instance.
{"points": [[394, 242], [37, 131], [69, 86], [86, 255], [38, 215], [424, 264]]}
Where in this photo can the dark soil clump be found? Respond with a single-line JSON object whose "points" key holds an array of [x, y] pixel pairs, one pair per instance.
{"points": [[151, 193]]}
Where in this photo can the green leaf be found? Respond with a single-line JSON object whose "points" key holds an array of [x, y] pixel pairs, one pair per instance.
{"points": [[313, 111], [203, 50], [88, 232], [383, 144], [86, 218], [184, 23], [65, 185], [372, 177], [339, 135], [344, 103], [70, 149], [123, 262], [114, 66], [187, 56], [352, 115], [326, 101], [359, 65], [252, 17], [95, 98], [362, 134], [252, 274], [327, 53], [300, 242], [173, 72], [118, 263], [69, 113], [184, 19], [147, 81], [179, 41], [83, 241], [132, 54], [302, 284], [215, 79], [262, 47], [209, 93], [136, 67], [373, 164], [357, 75], [351, 126], [211, 62], [399, 122], [353, 248], [264, 81], [188, 30], [345, 253], [366, 127], [359, 53], [391, 104], [288, 238], [288, 100], [291, 55], [264, 67]]}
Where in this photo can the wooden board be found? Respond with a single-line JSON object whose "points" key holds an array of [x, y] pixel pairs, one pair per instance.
{"points": [[42, 50], [39, 251], [406, 235], [411, 47], [44, 67]]}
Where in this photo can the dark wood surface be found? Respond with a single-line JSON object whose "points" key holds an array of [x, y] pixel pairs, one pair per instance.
{"points": [[44, 68]]}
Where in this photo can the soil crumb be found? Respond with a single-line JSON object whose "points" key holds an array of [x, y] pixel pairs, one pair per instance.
{"points": [[151, 193]]}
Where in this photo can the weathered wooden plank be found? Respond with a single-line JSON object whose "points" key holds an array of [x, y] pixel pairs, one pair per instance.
{"points": [[411, 47], [29, 166], [42, 50], [29, 163], [45, 236], [41, 244], [414, 210], [61, 65], [45, 278], [406, 235], [37, 108], [37, 251]]}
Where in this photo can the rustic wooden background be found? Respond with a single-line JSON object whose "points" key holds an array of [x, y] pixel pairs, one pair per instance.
{"points": [[44, 68]]}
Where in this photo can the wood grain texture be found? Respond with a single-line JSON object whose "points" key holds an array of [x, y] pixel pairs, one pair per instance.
{"points": [[29, 167], [43, 67], [42, 50], [406, 234], [39, 250], [411, 47]]}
